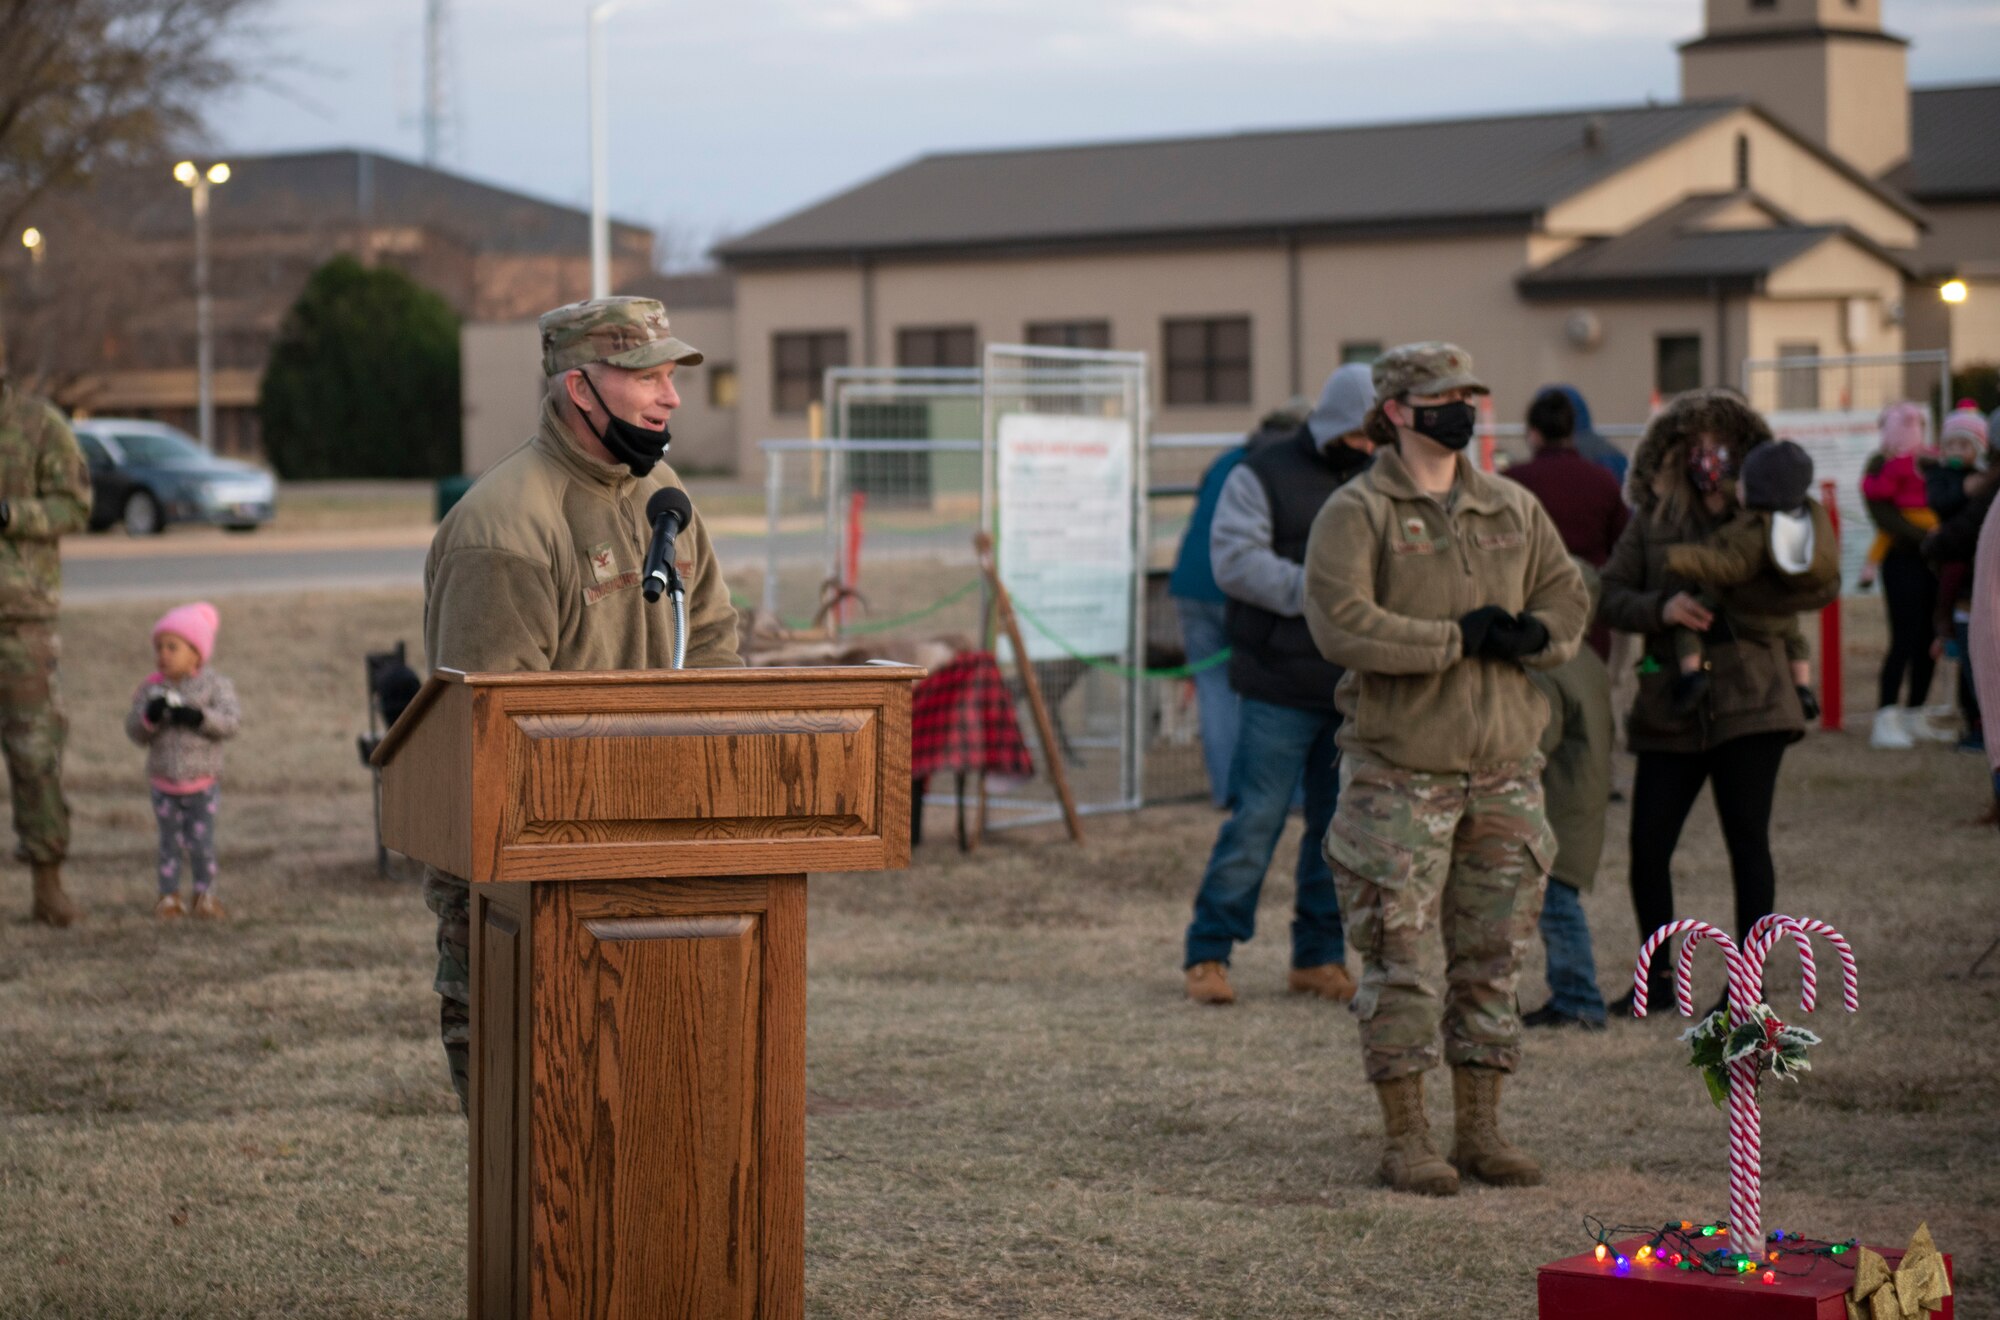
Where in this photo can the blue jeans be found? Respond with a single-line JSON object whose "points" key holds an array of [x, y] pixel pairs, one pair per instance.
{"points": [[1572, 965], [1273, 745], [1205, 633]]}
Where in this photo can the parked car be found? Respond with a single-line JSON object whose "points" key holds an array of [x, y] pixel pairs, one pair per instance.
{"points": [[147, 475]]}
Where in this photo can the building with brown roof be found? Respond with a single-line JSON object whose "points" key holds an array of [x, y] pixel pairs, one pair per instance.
{"points": [[1801, 202], [108, 318]]}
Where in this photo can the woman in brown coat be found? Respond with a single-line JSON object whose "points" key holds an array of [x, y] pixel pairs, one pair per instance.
{"points": [[1681, 486]]}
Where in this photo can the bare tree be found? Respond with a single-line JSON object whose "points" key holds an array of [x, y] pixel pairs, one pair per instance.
{"points": [[89, 83]]}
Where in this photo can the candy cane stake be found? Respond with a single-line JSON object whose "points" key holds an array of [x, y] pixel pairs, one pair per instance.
{"points": [[1746, 989]]}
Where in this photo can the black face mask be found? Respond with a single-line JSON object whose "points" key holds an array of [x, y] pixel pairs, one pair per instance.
{"points": [[639, 449], [1450, 424]]}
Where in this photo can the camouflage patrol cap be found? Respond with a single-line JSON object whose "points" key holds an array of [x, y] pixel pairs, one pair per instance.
{"points": [[624, 332], [1428, 368]]}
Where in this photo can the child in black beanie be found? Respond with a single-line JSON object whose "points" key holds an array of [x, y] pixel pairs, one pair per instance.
{"points": [[1776, 558]]}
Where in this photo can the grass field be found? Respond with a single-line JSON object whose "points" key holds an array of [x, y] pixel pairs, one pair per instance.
{"points": [[1013, 1111]]}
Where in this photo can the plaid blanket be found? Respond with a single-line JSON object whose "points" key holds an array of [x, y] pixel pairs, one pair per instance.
{"points": [[963, 720]]}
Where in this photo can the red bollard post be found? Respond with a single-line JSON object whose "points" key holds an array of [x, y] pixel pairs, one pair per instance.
{"points": [[1830, 693], [857, 503]]}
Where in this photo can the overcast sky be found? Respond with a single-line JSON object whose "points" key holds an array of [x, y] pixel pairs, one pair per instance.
{"points": [[727, 115]]}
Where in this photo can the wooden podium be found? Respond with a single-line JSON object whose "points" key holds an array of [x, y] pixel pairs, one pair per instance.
{"points": [[637, 845]]}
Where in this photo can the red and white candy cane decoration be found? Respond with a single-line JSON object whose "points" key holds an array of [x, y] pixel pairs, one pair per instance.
{"points": [[1746, 990]]}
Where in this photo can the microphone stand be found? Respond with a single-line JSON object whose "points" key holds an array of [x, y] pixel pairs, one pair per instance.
{"points": [[678, 594]]}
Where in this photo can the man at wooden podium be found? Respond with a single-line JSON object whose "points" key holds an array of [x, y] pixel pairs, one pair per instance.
{"points": [[538, 567]]}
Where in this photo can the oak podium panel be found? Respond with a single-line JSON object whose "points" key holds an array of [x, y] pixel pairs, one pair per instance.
{"points": [[638, 844]]}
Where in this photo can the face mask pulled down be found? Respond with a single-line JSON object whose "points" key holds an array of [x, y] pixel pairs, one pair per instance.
{"points": [[639, 449], [1449, 424]]}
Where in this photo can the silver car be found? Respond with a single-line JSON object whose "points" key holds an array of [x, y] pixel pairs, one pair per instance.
{"points": [[147, 475]]}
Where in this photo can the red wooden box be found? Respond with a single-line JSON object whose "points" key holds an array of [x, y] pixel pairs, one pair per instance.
{"points": [[1585, 1288]]}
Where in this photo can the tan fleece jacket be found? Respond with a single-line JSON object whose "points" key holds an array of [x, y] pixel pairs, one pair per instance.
{"points": [[537, 569], [1389, 572]]}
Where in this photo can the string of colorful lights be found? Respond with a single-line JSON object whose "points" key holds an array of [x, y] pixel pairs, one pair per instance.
{"points": [[1686, 1245]]}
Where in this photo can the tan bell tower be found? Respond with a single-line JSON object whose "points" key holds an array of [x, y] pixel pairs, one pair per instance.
{"points": [[1825, 67]]}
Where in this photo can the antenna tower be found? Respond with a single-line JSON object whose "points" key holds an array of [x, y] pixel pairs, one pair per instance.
{"points": [[437, 116]]}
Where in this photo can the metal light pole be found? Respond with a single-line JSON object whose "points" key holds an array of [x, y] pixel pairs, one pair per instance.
{"points": [[600, 165], [198, 181]]}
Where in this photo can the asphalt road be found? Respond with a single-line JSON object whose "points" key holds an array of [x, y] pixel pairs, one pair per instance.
{"points": [[116, 568], [172, 573]]}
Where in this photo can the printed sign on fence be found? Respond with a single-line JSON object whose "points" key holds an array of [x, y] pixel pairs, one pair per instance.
{"points": [[1840, 443], [1064, 498]]}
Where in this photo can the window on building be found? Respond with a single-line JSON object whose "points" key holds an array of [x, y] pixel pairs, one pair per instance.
{"points": [[1763, 4], [799, 360], [1798, 376], [937, 346], [1676, 364], [1363, 351], [722, 386], [1742, 161], [1070, 334], [1208, 360]]}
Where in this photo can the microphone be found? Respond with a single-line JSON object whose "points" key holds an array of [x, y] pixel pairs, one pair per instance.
{"points": [[668, 511]]}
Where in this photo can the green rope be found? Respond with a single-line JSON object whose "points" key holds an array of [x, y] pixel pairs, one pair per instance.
{"points": [[1123, 671]]}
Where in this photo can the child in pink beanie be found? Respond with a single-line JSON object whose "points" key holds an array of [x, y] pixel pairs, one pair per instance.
{"points": [[181, 714]]}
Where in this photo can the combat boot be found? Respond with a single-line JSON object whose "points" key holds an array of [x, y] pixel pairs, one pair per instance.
{"points": [[1410, 1162], [1477, 1147], [52, 905]]}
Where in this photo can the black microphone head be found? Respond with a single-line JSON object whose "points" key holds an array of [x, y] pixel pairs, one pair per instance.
{"points": [[666, 500]]}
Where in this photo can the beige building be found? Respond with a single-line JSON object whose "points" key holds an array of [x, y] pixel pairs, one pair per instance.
{"points": [[1801, 201]]}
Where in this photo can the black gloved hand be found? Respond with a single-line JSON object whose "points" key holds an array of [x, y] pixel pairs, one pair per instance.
{"points": [[1808, 703], [187, 717], [1475, 626], [1516, 636], [156, 710]]}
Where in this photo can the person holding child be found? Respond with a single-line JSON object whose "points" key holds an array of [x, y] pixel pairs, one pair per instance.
{"points": [[181, 715], [1898, 501], [1734, 738], [1777, 557]]}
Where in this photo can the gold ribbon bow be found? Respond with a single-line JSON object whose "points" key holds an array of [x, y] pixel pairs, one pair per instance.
{"points": [[1915, 1286]]}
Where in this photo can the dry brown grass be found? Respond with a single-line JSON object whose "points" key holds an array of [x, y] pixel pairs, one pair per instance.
{"points": [[1014, 1113]]}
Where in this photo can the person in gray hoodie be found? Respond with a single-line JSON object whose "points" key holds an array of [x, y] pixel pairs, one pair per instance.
{"points": [[1287, 720], [181, 715]]}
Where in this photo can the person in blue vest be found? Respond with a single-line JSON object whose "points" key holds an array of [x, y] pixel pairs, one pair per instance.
{"points": [[1286, 720], [1202, 609]]}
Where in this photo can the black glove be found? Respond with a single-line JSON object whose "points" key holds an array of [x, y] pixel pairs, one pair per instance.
{"points": [[1808, 703], [156, 710], [1515, 636], [1475, 626], [187, 717]]}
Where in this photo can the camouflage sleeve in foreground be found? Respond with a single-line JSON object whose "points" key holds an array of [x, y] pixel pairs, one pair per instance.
{"points": [[1343, 552], [60, 503], [1555, 592], [711, 616]]}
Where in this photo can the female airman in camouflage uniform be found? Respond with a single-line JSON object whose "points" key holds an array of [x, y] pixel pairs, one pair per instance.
{"points": [[1435, 585]]}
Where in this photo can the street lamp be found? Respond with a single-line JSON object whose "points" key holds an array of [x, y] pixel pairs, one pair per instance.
{"points": [[600, 184], [31, 239], [1952, 291], [198, 181]]}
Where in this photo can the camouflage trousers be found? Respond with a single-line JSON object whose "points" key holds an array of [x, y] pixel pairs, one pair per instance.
{"points": [[32, 732], [1465, 854], [451, 899]]}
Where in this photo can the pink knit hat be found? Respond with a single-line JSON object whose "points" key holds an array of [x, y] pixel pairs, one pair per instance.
{"points": [[194, 624], [1905, 428]]}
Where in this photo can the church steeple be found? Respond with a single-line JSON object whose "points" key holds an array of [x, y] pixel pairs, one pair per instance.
{"points": [[1825, 67]]}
